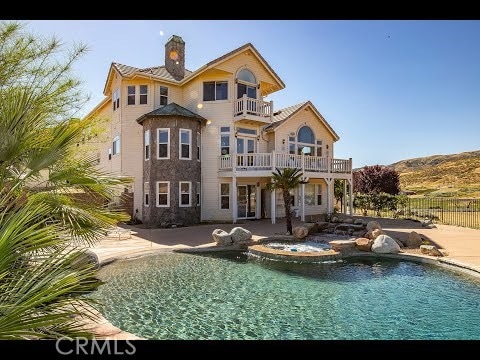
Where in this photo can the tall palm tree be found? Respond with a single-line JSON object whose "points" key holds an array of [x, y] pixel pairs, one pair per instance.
{"points": [[44, 231], [286, 180]]}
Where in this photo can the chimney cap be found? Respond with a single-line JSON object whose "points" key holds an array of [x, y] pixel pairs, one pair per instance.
{"points": [[176, 38]]}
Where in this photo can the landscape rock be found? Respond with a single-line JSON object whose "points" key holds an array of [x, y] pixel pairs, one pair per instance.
{"points": [[398, 242], [348, 221], [372, 225], [376, 233], [312, 228], [414, 240], [384, 244], [87, 257], [240, 235], [342, 245], [322, 225], [358, 222], [430, 250], [364, 244], [334, 219], [300, 232], [222, 238]]}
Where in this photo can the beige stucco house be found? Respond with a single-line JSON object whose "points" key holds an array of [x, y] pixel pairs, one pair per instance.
{"points": [[209, 140]]}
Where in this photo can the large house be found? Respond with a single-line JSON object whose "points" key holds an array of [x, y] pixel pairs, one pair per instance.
{"points": [[202, 145]]}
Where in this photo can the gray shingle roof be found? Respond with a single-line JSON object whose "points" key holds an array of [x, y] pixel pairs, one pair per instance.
{"points": [[159, 71], [171, 109]]}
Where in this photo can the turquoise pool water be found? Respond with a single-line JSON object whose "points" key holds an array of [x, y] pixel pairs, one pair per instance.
{"points": [[232, 296]]}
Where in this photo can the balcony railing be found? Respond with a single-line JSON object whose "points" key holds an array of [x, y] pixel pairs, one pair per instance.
{"points": [[253, 109], [270, 161]]}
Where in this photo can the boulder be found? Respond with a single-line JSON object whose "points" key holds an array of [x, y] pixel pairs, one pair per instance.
{"points": [[384, 244], [414, 240], [335, 219], [364, 244], [322, 225], [358, 222], [87, 257], [222, 238], [348, 221], [372, 225], [430, 250], [398, 242], [240, 235], [376, 233], [342, 245], [312, 228], [300, 232]]}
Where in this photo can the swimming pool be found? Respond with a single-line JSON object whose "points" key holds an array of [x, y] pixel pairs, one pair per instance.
{"points": [[233, 296]]}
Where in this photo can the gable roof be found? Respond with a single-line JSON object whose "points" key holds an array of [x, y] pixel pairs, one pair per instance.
{"points": [[283, 115], [161, 73], [172, 109]]}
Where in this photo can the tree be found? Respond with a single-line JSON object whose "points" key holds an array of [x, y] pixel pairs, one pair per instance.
{"points": [[375, 180], [44, 231], [286, 180], [338, 191]]}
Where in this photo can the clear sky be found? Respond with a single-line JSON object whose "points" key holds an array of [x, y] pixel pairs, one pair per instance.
{"points": [[390, 89]]}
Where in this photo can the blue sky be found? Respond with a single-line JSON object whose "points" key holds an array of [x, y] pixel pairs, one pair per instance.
{"points": [[390, 89]]}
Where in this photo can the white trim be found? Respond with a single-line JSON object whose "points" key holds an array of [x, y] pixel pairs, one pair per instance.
{"points": [[140, 94], [180, 194], [157, 193], [146, 191], [229, 195], [158, 143], [145, 145], [180, 144], [114, 147]]}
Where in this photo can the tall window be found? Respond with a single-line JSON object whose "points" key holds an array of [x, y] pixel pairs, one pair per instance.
{"points": [[215, 90], [305, 139], [163, 95], [163, 150], [319, 194], [319, 148], [147, 144], [225, 140], [198, 146], [146, 194], [224, 196], [143, 94], [185, 144], [131, 95], [116, 99], [246, 84], [198, 194], [309, 194], [185, 193], [116, 145], [163, 193]]}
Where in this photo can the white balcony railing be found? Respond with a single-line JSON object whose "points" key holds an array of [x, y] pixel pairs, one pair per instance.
{"points": [[247, 108], [270, 161]]}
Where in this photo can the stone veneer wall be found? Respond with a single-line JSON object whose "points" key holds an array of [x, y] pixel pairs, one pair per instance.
{"points": [[173, 170]]}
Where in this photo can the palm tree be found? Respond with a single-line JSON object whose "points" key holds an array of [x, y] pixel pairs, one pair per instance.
{"points": [[44, 230], [286, 180]]}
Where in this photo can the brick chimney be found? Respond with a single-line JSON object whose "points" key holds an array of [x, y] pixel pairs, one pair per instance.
{"points": [[175, 57]]}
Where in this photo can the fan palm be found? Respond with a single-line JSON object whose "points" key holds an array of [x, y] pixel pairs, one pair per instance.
{"points": [[44, 231], [286, 180]]}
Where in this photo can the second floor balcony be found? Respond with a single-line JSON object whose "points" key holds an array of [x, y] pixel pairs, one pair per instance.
{"points": [[262, 164], [253, 110]]}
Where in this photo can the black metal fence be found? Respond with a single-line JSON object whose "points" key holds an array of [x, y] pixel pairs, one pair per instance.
{"points": [[448, 211]]}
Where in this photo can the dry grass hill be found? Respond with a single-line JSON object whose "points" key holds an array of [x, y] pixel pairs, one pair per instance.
{"points": [[441, 175]]}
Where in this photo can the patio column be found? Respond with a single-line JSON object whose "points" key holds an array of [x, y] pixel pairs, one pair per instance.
{"points": [[272, 205], [329, 191], [303, 203], [234, 198], [350, 183], [344, 201]]}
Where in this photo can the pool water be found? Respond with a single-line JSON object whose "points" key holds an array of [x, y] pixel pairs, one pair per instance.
{"points": [[233, 296]]}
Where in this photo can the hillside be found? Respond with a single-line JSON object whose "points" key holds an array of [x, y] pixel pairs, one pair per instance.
{"points": [[442, 175]]}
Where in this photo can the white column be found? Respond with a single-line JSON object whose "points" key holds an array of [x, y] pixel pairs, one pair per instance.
{"points": [[344, 201], [234, 198], [329, 191], [258, 202], [272, 206], [303, 203], [350, 183]]}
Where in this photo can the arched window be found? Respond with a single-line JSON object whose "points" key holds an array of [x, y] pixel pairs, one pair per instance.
{"points": [[305, 135], [247, 76], [246, 84]]}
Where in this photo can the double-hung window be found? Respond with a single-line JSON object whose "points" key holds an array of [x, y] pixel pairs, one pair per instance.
{"points": [[185, 144], [185, 193], [215, 90], [163, 140]]}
